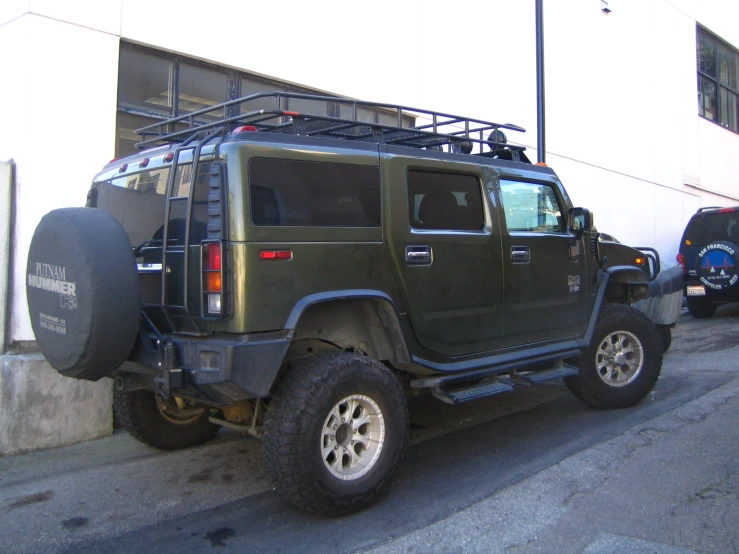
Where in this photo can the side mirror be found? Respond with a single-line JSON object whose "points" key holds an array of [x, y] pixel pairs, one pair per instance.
{"points": [[580, 219]]}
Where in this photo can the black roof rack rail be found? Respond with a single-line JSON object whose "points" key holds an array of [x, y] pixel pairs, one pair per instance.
{"points": [[412, 127]]}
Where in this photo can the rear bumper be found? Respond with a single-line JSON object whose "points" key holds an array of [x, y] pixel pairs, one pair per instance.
{"points": [[219, 369]]}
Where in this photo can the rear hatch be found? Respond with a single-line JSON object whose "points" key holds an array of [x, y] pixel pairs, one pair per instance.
{"points": [[156, 209]]}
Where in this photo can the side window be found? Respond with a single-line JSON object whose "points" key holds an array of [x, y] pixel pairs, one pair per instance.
{"points": [[444, 201], [313, 194], [531, 207]]}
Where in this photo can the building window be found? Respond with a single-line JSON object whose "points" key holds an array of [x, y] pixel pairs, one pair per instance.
{"points": [[718, 80], [154, 86]]}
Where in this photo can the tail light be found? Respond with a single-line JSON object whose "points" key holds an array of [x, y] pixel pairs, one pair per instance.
{"points": [[681, 261], [212, 277]]}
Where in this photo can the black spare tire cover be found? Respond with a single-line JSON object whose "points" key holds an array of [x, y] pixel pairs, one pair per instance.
{"points": [[717, 267], [83, 292]]}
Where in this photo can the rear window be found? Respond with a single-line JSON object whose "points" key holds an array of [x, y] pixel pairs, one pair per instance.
{"points": [[137, 201], [313, 194], [712, 227]]}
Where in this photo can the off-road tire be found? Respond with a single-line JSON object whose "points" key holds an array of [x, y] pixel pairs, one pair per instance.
{"points": [[294, 432], [630, 327], [138, 414], [665, 336], [701, 307]]}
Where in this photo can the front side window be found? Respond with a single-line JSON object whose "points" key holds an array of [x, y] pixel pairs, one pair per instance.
{"points": [[313, 194], [718, 80], [531, 207], [444, 201]]}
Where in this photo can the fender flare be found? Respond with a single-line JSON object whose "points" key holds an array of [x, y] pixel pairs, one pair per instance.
{"points": [[602, 280], [395, 330]]}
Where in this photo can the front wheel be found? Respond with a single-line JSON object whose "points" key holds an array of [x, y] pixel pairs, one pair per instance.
{"points": [[623, 361], [335, 431]]}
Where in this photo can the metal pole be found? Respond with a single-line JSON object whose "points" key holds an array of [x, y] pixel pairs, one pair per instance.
{"points": [[540, 130]]}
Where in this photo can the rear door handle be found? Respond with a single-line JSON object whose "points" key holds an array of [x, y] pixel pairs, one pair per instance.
{"points": [[520, 254], [418, 254]]}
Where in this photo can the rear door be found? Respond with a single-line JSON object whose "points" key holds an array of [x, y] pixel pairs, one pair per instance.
{"points": [[546, 289], [446, 249]]}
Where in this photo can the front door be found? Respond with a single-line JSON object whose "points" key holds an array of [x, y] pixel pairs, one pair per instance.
{"points": [[446, 248], [546, 290]]}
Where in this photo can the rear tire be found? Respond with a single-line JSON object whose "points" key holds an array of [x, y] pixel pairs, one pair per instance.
{"points": [[142, 414], [701, 307], [623, 361], [335, 432]]}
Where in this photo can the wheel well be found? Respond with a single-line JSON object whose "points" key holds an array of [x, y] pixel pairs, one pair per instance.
{"points": [[626, 287], [365, 325]]}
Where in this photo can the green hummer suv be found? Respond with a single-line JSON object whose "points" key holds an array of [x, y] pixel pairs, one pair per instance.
{"points": [[298, 275]]}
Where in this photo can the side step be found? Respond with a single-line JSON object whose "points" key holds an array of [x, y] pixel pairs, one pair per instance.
{"points": [[560, 371], [478, 390], [491, 386]]}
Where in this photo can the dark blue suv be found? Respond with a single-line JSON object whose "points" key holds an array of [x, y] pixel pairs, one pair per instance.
{"points": [[709, 257]]}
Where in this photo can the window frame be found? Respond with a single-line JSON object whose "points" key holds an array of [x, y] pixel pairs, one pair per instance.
{"points": [[718, 86]]}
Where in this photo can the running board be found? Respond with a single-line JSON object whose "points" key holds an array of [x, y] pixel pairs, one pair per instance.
{"points": [[560, 371], [493, 386], [479, 390]]}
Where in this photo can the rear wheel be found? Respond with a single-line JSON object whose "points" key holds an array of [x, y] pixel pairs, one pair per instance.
{"points": [[623, 361], [169, 424], [336, 429], [700, 307]]}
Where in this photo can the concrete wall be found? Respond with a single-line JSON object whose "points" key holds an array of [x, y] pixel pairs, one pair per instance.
{"points": [[41, 409]]}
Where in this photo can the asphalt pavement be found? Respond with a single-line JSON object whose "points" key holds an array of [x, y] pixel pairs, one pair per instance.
{"points": [[531, 471]]}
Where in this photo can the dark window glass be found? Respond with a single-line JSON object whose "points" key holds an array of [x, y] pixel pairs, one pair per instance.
{"points": [[718, 81], [714, 227], [145, 82], [706, 54], [531, 207], [315, 194], [201, 88], [727, 103], [707, 98], [444, 201]]}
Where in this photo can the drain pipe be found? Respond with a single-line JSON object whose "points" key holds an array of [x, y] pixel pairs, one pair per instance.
{"points": [[7, 179], [540, 131]]}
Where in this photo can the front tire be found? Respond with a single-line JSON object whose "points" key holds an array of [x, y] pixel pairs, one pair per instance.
{"points": [[623, 361], [164, 424], [701, 307], [335, 432]]}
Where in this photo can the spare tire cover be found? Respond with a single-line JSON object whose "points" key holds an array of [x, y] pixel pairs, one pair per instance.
{"points": [[717, 267], [83, 292]]}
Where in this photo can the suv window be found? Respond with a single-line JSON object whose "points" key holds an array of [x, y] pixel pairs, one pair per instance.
{"points": [[315, 194], [711, 227], [444, 201], [531, 207]]}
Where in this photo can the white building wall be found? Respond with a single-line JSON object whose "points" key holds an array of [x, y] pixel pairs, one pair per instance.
{"points": [[622, 126], [59, 125]]}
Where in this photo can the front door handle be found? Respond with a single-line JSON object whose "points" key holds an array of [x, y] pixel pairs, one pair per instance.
{"points": [[418, 254], [520, 254]]}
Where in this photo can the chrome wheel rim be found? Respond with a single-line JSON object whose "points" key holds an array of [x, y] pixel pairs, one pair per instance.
{"points": [[352, 437], [619, 358]]}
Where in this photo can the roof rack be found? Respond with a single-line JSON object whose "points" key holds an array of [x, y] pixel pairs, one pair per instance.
{"points": [[341, 118]]}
